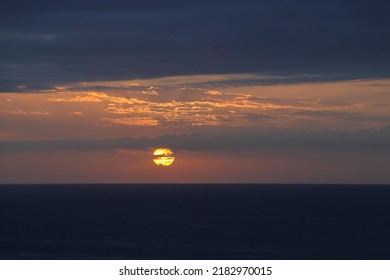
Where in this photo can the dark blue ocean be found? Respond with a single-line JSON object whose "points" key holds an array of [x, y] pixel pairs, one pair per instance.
{"points": [[202, 221]]}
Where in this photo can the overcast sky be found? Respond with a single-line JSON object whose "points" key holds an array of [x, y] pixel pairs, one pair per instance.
{"points": [[296, 91]]}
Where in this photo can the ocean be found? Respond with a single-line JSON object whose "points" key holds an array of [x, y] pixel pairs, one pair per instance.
{"points": [[194, 221]]}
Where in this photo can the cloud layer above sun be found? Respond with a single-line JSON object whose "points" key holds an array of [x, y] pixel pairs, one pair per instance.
{"points": [[76, 41], [191, 105]]}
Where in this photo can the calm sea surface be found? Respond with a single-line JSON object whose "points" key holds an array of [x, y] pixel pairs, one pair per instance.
{"points": [[182, 221]]}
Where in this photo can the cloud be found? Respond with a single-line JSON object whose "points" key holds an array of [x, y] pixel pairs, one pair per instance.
{"points": [[174, 106], [21, 112], [76, 113], [343, 115], [131, 121], [88, 98], [52, 43], [257, 117], [185, 108], [362, 140], [151, 91]]}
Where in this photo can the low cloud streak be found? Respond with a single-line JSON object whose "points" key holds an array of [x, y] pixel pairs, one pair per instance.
{"points": [[362, 140]]}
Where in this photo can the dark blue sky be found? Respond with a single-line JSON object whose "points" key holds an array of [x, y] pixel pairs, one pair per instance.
{"points": [[49, 42]]}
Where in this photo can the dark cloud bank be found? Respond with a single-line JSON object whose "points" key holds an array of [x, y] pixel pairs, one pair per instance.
{"points": [[48, 42], [362, 140]]}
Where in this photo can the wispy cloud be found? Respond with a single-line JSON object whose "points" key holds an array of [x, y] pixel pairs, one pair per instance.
{"points": [[131, 121], [362, 140], [182, 109], [87, 97], [201, 106], [76, 113], [24, 113]]}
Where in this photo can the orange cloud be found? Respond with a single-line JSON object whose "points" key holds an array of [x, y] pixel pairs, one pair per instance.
{"points": [[21, 112], [76, 99], [131, 121], [75, 113]]}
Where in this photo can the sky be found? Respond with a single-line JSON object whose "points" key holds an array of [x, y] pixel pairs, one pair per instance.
{"points": [[242, 91]]}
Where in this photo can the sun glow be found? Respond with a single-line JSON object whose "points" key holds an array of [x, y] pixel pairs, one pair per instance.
{"points": [[163, 156]]}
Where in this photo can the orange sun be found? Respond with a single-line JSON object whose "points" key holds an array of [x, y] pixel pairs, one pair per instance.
{"points": [[163, 156]]}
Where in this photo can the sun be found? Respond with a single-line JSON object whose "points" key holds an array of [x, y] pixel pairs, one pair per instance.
{"points": [[163, 157]]}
